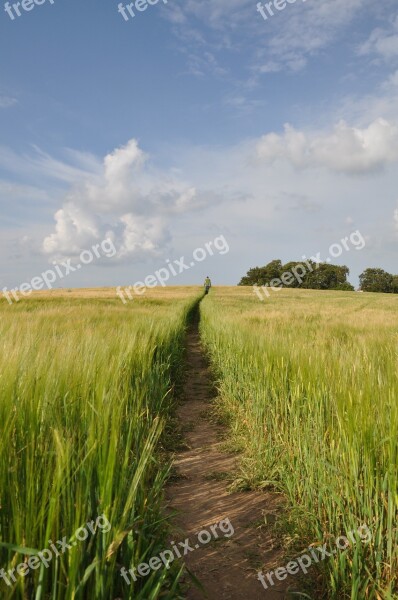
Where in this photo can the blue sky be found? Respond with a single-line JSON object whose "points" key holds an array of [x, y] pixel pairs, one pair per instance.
{"points": [[194, 120]]}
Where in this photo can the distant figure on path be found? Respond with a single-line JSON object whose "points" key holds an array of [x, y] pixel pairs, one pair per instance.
{"points": [[207, 284]]}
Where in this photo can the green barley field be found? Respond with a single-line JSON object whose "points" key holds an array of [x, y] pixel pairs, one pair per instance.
{"points": [[85, 394], [307, 384]]}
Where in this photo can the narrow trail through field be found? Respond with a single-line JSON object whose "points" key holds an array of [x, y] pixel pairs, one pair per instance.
{"points": [[226, 568]]}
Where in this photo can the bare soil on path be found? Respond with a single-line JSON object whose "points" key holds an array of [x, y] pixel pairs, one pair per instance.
{"points": [[226, 568]]}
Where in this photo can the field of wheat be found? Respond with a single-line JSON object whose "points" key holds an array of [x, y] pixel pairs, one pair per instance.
{"points": [[85, 392], [308, 384]]}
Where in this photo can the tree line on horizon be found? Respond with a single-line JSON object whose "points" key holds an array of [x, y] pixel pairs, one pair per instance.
{"points": [[319, 276]]}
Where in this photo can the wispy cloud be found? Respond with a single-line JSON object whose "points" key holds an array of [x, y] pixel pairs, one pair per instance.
{"points": [[287, 41], [382, 42], [7, 101]]}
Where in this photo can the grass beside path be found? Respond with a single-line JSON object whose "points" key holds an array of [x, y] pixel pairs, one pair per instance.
{"points": [[85, 394], [308, 383]]}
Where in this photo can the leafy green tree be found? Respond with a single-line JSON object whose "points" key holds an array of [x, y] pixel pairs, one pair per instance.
{"points": [[262, 275], [327, 277], [288, 268], [253, 277], [376, 280], [315, 276], [395, 284], [345, 287]]}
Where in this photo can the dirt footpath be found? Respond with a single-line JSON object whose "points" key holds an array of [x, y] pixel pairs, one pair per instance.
{"points": [[226, 567]]}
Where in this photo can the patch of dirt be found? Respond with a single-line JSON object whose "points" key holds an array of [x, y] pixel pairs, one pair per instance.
{"points": [[226, 568]]}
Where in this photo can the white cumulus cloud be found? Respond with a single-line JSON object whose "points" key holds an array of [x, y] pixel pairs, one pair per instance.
{"points": [[345, 149], [126, 199]]}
